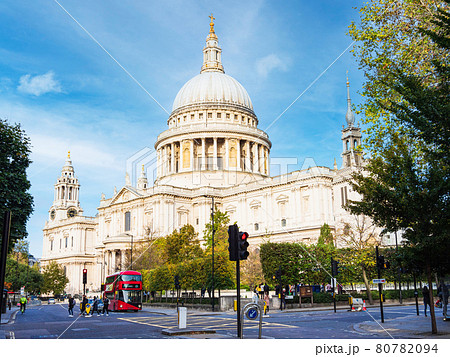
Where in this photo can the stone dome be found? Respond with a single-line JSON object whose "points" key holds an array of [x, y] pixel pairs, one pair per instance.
{"points": [[212, 87]]}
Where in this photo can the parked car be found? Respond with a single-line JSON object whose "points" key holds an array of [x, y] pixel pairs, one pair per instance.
{"points": [[51, 301]]}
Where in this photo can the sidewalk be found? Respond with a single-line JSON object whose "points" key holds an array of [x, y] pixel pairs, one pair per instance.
{"points": [[411, 326], [6, 317]]}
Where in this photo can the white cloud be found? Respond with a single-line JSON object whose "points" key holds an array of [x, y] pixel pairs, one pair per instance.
{"points": [[269, 63], [38, 85]]}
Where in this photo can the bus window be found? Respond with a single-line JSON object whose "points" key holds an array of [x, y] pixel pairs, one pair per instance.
{"points": [[131, 296], [130, 278]]}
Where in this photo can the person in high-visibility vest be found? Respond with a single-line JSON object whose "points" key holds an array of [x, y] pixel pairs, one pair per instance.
{"points": [[23, 304]]}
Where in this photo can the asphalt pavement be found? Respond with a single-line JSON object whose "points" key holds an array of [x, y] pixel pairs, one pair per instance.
{"points": [[401, 321]]}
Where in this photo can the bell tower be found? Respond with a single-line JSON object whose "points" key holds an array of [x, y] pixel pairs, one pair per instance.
{"points": [[66, 202], [351, 137]]}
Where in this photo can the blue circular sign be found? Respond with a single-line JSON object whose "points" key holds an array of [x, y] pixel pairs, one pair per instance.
{"points": [[252, 313]]}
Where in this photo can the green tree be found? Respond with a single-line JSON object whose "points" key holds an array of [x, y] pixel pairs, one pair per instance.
{"points": [[360, 234], [251, 269], [55, 280], [14, 185], [325, 237], [407, 186], [389, 36], [183, 245], [221, 223], [19, 275]]}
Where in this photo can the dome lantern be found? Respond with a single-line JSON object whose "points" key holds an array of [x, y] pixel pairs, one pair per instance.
{"points": [[212, 53]]}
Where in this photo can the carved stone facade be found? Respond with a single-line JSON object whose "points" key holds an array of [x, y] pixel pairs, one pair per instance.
{"points": [[212, 148]]}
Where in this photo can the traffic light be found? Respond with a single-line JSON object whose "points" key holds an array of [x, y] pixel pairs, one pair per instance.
{"points": [[233, 236], [334, 267], [243, 245], [177, 282], [387, 265], [380, 262], [84, 276]]}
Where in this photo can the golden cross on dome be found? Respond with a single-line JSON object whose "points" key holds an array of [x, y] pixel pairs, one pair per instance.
{"points": [[68, 154], [211, 24]]}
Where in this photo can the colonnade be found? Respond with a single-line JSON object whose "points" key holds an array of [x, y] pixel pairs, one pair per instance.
{"points": [[115, 260], [213, 153]]}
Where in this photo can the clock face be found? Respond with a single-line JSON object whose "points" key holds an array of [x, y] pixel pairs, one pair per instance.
{"points": [[52, 214], [71, 212]]}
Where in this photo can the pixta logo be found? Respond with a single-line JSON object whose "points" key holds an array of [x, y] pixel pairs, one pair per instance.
{"points": [[143, 160]]}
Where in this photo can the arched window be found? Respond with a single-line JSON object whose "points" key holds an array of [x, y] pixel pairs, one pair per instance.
{"points": [[256, 226], [355, 144], [346, 145], [283, 222], [127, 221]]}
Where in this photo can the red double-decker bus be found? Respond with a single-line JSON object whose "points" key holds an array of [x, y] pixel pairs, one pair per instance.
{"points": [[124, 291]]}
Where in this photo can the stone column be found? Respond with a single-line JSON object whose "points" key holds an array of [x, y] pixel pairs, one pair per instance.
{"points": [[227, 155], [247, 156], [172, 158], [164, 161], [181, 157], [215, 154], [238, 154], [192, 155], [261, 156], [158, 163], [203, 162], [122, 260]]}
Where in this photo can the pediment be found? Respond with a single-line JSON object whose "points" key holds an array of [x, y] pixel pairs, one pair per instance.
{"points": [[230, 208], [255, 204], [282, 198], [125, 194]]}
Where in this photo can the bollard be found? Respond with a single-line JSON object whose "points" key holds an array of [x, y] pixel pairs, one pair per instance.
{"points": [[182, 317]]}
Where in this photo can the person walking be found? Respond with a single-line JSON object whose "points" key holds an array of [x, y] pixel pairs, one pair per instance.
{"points": [[105, 306], [426, 298], [443, 294], [283, 299], [95, 307], [267, 302], [71, 305], [83, 305], [23, 304]]}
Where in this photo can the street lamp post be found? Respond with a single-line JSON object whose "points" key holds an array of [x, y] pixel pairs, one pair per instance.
{"points": [[398, 272], [131, 253]]}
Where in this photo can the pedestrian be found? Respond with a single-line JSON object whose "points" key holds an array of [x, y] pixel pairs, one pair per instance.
{"points": [[266, 289], [23, 304], [443, 294], [71, 305], [95, 307], [426, 298], [261, 290], [83, 305], [9, 304], [267, 302], [283, 299], [105, 306]]}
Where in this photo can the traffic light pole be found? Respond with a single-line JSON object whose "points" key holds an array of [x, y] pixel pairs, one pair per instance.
{"points": [[332, 284], [380, 286], [212, 250], [238, 283], [4, 254]]}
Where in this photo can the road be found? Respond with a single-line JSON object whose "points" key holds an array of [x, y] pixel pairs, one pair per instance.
{"points": [[52, 322]]}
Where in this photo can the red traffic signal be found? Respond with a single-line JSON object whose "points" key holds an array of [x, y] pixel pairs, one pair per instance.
{"points": [[243, 245], [84, 276]]}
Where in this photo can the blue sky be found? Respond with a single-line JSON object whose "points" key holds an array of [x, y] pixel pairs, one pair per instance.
{"points": [[68, 94]]}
